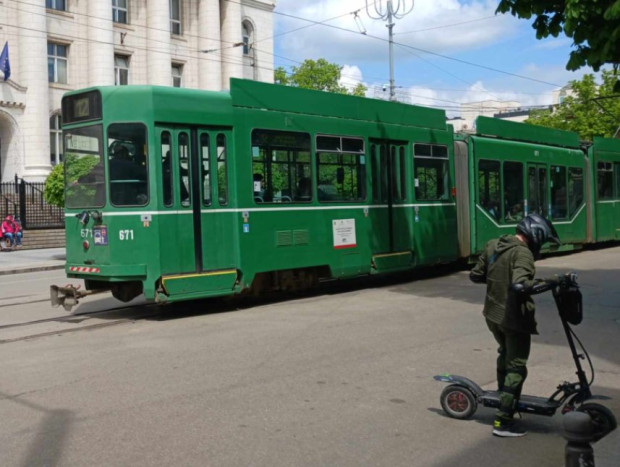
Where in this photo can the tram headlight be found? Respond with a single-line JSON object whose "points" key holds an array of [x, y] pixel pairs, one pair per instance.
{"points": [[86, 244]]}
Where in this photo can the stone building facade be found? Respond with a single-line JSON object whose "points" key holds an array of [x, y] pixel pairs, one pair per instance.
{"points": [[59, 45]]}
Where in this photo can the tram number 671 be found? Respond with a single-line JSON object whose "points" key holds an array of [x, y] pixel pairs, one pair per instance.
{"points": [[125, 234]]}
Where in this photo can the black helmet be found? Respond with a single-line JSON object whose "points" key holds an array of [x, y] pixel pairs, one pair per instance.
{"points": [[538, 231]]}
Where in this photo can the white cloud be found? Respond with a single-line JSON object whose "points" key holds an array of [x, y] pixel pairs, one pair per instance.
{"points": [[440, 26], [467, 30], [350, 76]]}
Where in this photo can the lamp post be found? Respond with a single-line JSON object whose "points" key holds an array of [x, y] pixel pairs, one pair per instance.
{"points": [[388, 12]]}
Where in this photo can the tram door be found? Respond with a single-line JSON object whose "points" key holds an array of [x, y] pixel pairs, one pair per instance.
{"points": [[190, 160], [387, 162], [177, 233], [537, 189]]}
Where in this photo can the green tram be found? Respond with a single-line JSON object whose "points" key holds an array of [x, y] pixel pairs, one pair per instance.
{"points": [[263, 187], [604, 156], [181, 194]]}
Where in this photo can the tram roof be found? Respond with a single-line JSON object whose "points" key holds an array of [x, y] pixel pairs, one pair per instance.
{"points": [[258, 95], [505, 129], [607, 144], [183, 105]]}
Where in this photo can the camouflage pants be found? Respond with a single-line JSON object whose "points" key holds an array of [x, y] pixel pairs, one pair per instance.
{"points": [[514, 350]]}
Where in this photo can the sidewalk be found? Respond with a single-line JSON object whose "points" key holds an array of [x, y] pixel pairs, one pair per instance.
{"points": [[20, 261]]}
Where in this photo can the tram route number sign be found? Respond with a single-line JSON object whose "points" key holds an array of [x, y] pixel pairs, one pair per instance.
{"points": [[344, 233]]}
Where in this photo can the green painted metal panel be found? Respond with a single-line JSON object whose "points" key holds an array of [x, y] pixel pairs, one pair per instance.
{"points": [[525, 132], [280, 98], [611, 145], [392, 261], [607, 211]]}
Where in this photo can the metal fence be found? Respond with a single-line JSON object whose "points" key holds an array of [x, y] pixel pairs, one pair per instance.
{"points": [[24, 200]]}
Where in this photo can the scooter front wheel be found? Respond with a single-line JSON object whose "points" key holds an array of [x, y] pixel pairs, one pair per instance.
{"points": [[603, 419], [458, 402]]}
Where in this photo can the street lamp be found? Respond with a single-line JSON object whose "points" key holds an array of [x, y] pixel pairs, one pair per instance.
{"points": [[388, 12]]}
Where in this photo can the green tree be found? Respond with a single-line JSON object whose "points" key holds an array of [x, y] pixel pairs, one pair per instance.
{"points": [[591, 110], [54, 191], [594, 26], [319, 75]]}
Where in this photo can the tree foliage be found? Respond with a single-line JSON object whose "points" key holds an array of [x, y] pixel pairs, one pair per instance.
{"points": [[590, 110], [54, 191], [319, 75], [594, 26]]}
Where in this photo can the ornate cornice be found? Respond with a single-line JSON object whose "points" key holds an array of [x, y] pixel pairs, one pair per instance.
{"points": [[266, 6]]}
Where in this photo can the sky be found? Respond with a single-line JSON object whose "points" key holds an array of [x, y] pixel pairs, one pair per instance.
{"points": [[446, 52]]}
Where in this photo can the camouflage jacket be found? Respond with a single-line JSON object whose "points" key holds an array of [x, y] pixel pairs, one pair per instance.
{"points": [[505, 261]]}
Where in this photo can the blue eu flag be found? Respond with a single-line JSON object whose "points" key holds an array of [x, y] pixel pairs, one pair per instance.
{"points": [[5, 66]]}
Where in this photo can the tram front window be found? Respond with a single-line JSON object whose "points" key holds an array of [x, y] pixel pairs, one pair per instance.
{"points": [[84, 171]]}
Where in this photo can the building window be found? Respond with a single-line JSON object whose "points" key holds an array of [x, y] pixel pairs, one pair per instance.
{"points": [[60, 5], [56, 63], [56, 139], [121, 70], [119, 11], [177, 74], [175, 17], [247, 34]]}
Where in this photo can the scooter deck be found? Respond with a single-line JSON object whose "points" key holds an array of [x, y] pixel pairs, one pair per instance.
{"points": [[527, 404]]}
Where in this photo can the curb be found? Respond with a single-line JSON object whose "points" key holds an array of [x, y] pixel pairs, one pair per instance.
{"points": [[31, 269]]}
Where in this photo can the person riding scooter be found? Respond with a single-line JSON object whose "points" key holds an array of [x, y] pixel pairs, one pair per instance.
{"points": [[507, 267]]}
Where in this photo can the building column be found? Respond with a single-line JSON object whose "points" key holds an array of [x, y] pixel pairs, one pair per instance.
{"points": [[232, 57], [100, 43], [209, 45], [33, 75], [158, 42]]}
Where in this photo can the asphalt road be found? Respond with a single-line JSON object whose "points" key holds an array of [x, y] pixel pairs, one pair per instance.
{"points": [[337, 378]]}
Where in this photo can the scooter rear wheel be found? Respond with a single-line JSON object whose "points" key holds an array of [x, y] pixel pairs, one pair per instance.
{"points": [[458, 402], [603, 419]]}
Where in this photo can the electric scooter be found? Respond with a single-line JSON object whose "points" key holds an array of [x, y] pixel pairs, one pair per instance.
{"points": [[461, 398]]}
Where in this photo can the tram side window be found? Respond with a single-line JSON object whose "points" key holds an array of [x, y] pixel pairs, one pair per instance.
{"points": [[166, 168], [605, 179], [205, 169], [127, 164], [341, 169], [575, 190], [403, 177], [431, 175], [559, 199], [374, 171], [513, 191], [281, 167], [222, 170], [489, 194], [184, 169]]}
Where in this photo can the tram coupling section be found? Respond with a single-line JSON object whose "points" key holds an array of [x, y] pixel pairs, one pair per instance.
{"points": [[69, 295]]}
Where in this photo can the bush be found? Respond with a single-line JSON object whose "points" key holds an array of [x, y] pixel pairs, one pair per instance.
{"points": [[54, 192]]}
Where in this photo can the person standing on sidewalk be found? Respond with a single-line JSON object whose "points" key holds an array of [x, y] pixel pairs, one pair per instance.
{"points": [[507, 267], [12, 232]]}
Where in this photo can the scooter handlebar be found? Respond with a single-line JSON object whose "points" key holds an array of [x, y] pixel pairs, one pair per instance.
{"points": [[542, 285]]}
